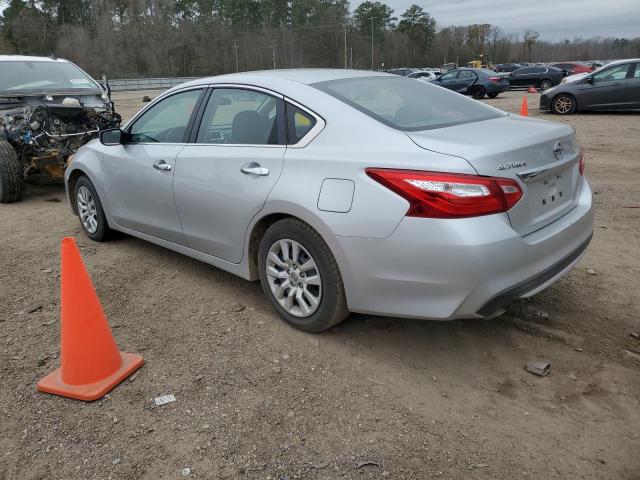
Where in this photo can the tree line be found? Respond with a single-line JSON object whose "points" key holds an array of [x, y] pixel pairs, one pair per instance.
{"points": [[138, 38]]}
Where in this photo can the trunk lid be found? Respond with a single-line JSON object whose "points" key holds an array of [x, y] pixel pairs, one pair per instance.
{"points": [[542, 156]]}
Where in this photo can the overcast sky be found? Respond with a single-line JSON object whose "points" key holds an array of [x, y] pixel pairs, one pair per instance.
{"points": [[554, 19]]}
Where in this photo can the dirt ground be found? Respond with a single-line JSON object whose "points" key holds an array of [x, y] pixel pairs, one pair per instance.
{"points": [[256, 399]]}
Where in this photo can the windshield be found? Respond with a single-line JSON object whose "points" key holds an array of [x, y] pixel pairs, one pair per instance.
{"points": [[43, 75], [405, 104]]}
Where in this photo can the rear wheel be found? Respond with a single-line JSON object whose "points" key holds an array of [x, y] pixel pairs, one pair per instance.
{"points": [[563, 104], [492, 95], [90, 212], [11, 174], [478, 92], [300, 276], [545, 84]]}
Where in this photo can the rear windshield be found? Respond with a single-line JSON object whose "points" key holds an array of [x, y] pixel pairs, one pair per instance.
{"points": [[43, 75], [406, 104]]}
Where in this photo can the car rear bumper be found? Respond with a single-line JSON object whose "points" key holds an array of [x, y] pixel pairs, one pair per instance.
{"points": [[462, 268]]}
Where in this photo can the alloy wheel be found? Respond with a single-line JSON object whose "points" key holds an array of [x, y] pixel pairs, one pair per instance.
{"points": [[563, 104], [545, 85], [294, 278], [87, 210]]}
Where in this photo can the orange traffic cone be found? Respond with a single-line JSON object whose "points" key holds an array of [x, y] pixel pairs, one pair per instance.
{"points": [[532, 90], [524, 108], [90, 363]]}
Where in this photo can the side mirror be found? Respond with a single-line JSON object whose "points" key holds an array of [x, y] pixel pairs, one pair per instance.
{"points": [[111, 136], [589, 80]]}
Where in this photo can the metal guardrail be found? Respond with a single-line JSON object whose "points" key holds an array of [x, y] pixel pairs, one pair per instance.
{"points": [[121, 84]]}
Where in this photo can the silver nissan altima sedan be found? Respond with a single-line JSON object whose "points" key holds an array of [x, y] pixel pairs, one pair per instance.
{"points": [[345, 191]]}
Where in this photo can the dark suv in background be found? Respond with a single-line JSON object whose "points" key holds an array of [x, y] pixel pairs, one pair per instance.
{"points": [[477, 82]]}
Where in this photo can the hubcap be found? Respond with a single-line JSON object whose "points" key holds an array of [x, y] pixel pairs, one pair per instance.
{"points": [[87, 210], [545, 85], [294, 278], [563, 104]]}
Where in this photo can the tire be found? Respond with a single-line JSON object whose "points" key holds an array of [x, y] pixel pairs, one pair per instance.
{"points": [[478, 92], [279, 270], [563, 104], [492, 95], [545, 84], [11, 174], [87, 200]]}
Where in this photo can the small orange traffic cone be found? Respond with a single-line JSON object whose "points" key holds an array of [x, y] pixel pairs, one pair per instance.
{"points": [[524, 108], [90, 363], [532, 90]]}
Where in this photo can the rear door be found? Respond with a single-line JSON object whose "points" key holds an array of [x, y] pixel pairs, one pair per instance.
{"points": [[466, 78], [520, 77], [225, 173]]}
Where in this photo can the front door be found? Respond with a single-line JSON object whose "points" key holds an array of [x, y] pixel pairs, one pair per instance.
{"points": [[222, 179], [606, 88], [138, 175]]}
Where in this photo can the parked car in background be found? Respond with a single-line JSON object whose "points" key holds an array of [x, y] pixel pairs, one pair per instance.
{"points": [[403, 72], [507, 67], [571, 68], [616, 86], [369, 193], [477, 82], [423, 76], [538, 77]]}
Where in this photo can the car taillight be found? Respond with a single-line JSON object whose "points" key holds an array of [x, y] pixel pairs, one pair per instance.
{"points": [[494, 79], [581, 164], [449, 195]]}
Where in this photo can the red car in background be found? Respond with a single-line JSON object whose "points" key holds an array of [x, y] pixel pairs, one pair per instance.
{"points": [[571, 68]]}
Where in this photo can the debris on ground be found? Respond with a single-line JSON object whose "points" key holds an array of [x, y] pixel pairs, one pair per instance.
{"points": [[185, 472], [635, 335], [367, 462], [631, 354], [146, 98], [591, 271], [541, 368], [164, 399]]}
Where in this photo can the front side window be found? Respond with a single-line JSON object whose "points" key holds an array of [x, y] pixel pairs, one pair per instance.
{"points": [[619, 72], [636, 74], [449, 76], [405, 104], [299, 123], [241, 117], [166, 121]]}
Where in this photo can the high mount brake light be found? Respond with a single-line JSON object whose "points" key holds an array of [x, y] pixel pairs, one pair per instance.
{"points": [[449, 195]]}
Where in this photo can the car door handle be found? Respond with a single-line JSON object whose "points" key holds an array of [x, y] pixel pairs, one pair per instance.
{"points": [[162, 166], [254, 168]]}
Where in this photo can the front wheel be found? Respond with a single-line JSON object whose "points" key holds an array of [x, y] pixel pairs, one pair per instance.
{"points": [[11, 174], [90, 212], [300, 276], [563, 104]]}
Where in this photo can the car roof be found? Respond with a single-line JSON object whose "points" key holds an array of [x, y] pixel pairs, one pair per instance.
{"points": [[305, 76], [28, 58]]}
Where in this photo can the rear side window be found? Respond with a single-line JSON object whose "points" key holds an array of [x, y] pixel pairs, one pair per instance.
{"points": [[299, 123], [405, 104]]}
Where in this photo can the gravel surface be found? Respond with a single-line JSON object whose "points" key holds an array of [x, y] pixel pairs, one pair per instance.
{"points": [[372, 398]]}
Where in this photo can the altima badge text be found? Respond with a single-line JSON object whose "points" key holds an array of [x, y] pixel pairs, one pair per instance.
{"points": [[510, 165]]}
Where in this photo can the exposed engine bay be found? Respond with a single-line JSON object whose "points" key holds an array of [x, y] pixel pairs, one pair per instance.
{"points": [[46, 130]]}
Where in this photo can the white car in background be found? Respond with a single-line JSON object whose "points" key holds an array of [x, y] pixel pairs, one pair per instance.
{"points": [[423, 76]]}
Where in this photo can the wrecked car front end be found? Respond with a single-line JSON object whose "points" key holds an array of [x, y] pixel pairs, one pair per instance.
{"points": [[45, 130]]}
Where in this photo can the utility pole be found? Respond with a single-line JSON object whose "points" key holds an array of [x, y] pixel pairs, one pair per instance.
{"points": [[235, 47], [371, 43], [345, 45], [273, 53]]}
